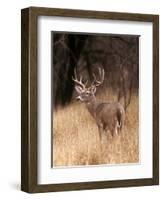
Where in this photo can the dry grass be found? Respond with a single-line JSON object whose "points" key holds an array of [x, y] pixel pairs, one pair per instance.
{"points": [[76, 140]]}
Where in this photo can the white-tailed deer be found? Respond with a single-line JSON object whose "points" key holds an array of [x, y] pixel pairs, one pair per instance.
{"points": [[108, 116]]}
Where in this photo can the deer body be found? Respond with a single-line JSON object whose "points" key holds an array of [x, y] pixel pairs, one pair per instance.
{"points": [[108, 116]]}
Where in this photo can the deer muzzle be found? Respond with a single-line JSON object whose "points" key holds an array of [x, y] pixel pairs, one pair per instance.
{"points": [[79, 98]]}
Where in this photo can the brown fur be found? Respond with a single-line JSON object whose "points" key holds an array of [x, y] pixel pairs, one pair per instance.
{"points": [[108, 116]]}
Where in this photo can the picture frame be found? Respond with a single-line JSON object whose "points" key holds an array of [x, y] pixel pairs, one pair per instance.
{"points": [[29, 99]]}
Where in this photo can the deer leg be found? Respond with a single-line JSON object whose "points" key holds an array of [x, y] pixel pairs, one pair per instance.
{"points": [[116, 130], [113, 130], [100, 130], [106, 129]]}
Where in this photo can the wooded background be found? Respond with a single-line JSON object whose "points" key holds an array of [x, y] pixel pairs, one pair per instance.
{"points": [[117, 54]]}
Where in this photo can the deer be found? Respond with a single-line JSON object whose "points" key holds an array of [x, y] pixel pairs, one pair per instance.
{"points": [[109, 116]]}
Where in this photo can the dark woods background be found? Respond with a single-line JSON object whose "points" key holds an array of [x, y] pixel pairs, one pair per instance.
{"points": [[117, 54]]}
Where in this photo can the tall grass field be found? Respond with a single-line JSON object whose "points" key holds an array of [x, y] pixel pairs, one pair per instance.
{"points": [[76, 139]]}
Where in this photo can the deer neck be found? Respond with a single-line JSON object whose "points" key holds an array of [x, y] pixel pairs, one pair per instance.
{"points": [[91, 106]]}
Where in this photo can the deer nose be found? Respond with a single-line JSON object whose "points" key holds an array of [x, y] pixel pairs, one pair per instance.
{"points": [[78, 98]]}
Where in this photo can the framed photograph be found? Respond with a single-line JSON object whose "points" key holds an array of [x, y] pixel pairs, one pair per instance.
{"points": [[90, 99]]}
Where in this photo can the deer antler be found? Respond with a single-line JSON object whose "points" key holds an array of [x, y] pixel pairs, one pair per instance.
{"points": [[96, 82], [79, 82]]}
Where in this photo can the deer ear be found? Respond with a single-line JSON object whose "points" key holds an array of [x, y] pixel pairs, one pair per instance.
{"points": [[78, 89], [93, 90]]}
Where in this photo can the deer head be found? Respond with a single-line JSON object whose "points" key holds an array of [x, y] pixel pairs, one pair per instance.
{"points": [[87, 94]]}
